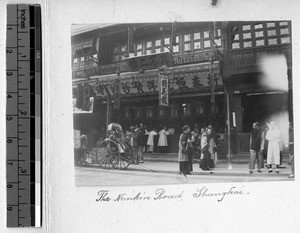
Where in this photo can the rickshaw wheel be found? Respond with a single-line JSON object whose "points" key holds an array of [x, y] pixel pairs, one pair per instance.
{"points": [[124, 158], [107, 154]]}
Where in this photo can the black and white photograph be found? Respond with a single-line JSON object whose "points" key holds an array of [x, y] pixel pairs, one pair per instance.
{"points": [[182, 102]]}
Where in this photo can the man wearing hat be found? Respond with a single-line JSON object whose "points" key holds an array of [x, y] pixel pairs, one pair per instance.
{"points": [[257, 140], [183, 151]]}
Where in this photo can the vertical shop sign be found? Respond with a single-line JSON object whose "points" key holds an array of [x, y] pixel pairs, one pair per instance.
{"points": [[117, 92], [163, 90]]}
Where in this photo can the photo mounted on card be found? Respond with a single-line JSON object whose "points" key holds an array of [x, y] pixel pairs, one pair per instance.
{"points": [[182, 102]]}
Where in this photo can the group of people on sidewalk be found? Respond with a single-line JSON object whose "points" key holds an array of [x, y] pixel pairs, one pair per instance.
{"points": [[258, 140], [141, 140], [193, 143]]}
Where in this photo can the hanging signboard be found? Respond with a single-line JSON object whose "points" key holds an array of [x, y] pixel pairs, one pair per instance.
{"points": [[147, 62], [163, 90]]}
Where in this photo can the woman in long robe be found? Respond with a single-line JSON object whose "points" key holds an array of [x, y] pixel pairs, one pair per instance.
{"points": [[182, 151], [273, 156], [163, 140]]}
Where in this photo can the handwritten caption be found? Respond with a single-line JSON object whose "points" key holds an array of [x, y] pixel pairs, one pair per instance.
{"points": [[162, 194]]}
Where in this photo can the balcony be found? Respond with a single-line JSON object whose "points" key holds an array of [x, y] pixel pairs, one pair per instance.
{"points": [[178, 59], [240, 61]]}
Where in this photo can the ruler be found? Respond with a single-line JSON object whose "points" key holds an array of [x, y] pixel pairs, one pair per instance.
{"points": [[23, 115]]}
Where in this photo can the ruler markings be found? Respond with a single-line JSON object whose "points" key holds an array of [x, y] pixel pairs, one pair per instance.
{"points": [[23, 66]]}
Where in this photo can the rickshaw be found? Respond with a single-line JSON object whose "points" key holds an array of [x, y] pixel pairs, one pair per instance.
{"points": [[115, 151]]}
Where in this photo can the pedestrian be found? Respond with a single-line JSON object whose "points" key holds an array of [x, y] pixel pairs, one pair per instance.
{"points": [[145, 137], [129, 138], [141, 144], [273, 136], [190, 152], [134, 144], [196, 136], [150, 141], [257, 141], [163, 140], [208, 147], [182, 151]]}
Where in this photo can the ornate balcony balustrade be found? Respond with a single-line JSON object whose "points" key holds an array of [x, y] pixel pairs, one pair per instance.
{"points": [[190, 58]]}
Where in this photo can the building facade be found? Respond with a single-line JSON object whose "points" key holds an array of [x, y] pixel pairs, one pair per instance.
{"points": [[212, 72]]}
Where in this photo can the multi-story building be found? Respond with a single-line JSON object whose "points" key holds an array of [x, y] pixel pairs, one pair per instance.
{"points": [[206, 65]]}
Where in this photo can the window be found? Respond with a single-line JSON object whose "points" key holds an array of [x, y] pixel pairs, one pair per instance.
{"points": [[139, 49], [149, 112], [162, 112], [157, 48], [81, 62], [173, 111], [261, 34], [176, 47], [166, 44], [138, 113], [272, 41], [199, 109], [120, 53], [217, 35], [186, 109], [149, 47], [197, 41], [187, 42], [206, 42], [285, 40]]}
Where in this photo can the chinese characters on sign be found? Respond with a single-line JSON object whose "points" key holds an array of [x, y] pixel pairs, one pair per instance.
{"points": [[163, 90], [148, 62]]}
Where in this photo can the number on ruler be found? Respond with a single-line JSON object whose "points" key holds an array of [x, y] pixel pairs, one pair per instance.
{"points": [[9, 208], [9, 163], [23, 170], [10, 141], [9, 186], [9, 73], [9, 96], [9, 118], [8, 51], [24, 113]]}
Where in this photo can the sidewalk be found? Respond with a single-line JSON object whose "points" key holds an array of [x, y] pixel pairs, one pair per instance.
{"points": [[167, 163], [222, 169]]}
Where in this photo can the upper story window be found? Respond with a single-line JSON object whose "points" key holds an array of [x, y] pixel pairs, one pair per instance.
{"points": [[260, 34], [139, 49], [120, 53], [149, 47], [166, 44], [197, 39], [176, 46], [187, 42], [157, 46]]}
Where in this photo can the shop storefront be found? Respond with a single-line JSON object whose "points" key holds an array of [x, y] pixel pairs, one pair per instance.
{"points": [[190, 96]]}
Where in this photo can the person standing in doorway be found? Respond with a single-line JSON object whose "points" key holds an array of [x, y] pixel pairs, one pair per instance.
{"points": [[183, 151], [273, 136], [144, 137], [134, 144], [163, 140], [140, 142], [257, 141], [150, 141]]}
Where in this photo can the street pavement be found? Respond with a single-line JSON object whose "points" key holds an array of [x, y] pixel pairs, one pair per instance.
{"points": [[157, 172]]}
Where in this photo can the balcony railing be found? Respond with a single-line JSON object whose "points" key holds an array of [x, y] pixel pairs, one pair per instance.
{"points": [[195, 57], [249, 58]]}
